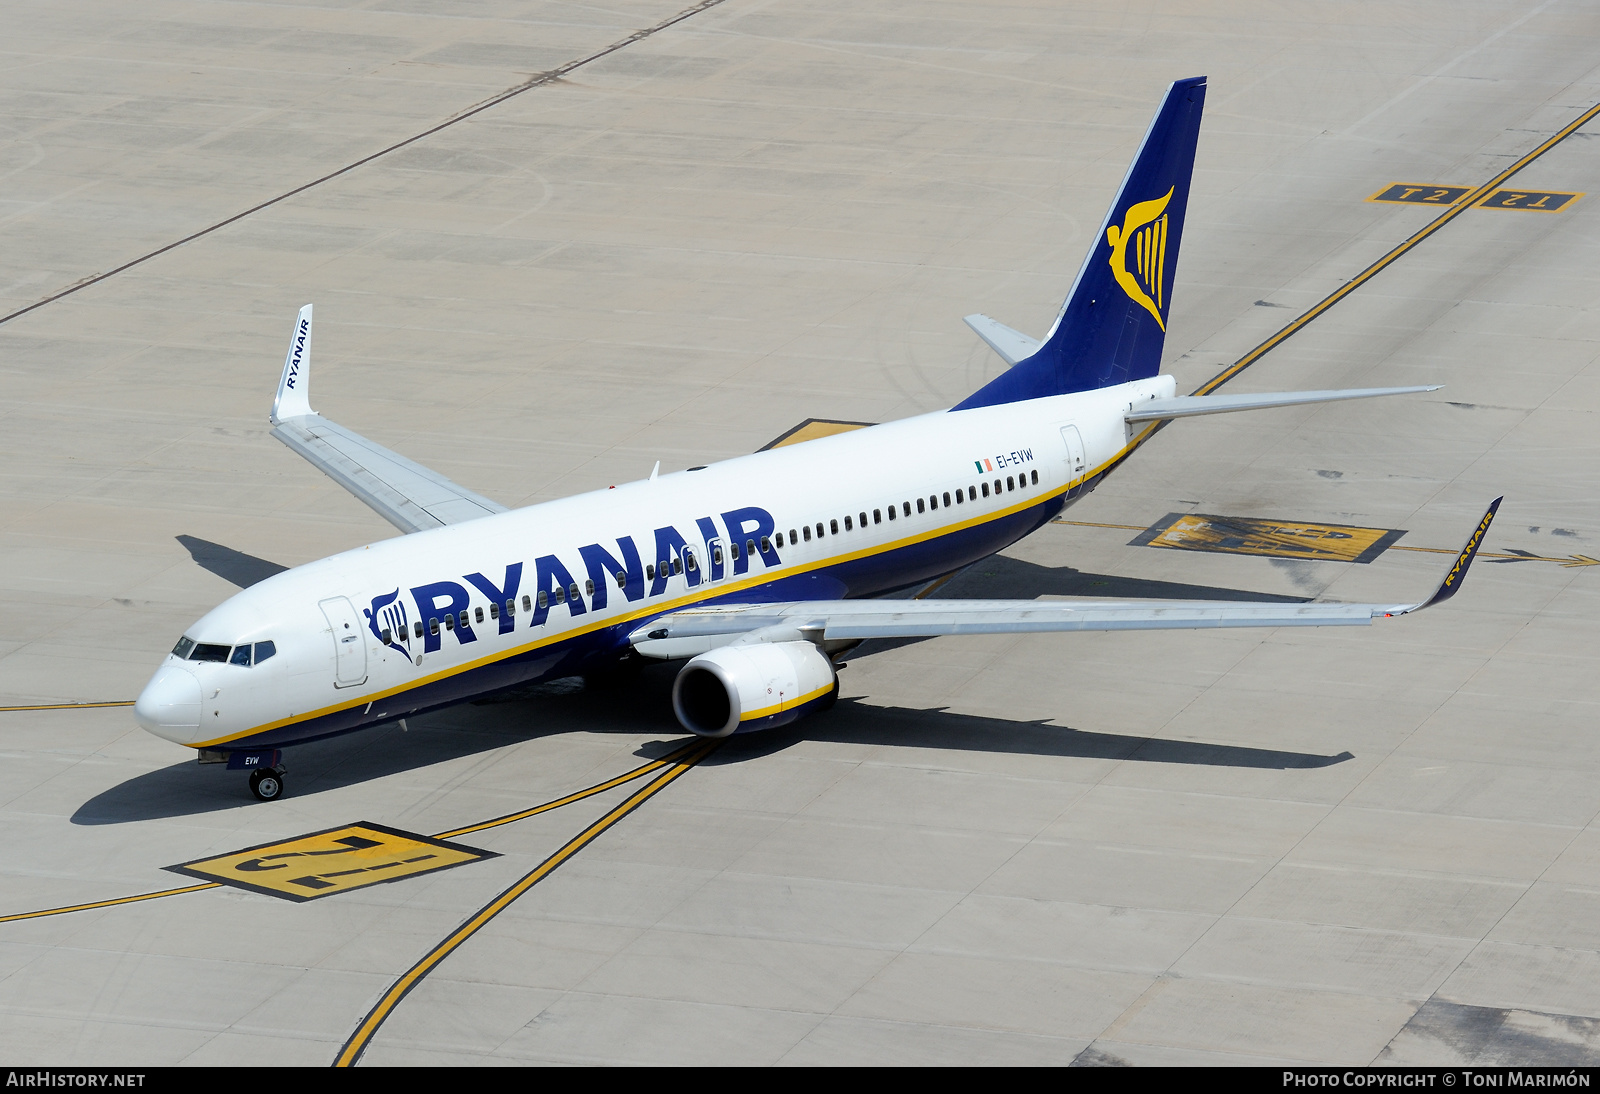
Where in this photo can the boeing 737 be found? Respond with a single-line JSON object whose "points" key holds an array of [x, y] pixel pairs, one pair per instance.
{"points": [[755, 571]]}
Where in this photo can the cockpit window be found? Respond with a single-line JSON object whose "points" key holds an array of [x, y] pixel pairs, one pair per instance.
{"points": [[264, 650], [181, 650], [241, 656], [205, 651]]}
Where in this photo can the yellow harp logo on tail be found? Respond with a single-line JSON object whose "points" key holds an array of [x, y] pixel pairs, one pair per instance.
{"points": [[1145, 228]]}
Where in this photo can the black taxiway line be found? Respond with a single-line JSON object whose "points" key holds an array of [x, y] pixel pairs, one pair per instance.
{"points": [[538, 80]]}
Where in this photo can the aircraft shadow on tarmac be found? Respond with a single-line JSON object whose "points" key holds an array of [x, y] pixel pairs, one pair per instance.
{"points": [[640, 701]]}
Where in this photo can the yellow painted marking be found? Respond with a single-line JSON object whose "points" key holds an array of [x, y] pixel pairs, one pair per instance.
{"points": [[72, 706], [108, 903], [1274, 538], [335, 861], [643, 769], [357, 1044], [811, 429], [1420, 193], [1531, 201]]}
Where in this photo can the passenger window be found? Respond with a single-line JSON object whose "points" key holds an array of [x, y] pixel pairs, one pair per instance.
{"points": [[907, 506], [621, 578], [716, 554], [847, 525], [961, 496], [920, 508], [181, 650], [433, 626], [766, 545], [863, 519], [544, 599], [677, 566], [877, 516], [891, 512], [947, 499], [511, 607], [419, 632], [465, 622], [449, 622], [265, 650], [997, 486], [650, 571], [494, 611], [833, 526], [1009, 484], [527, 605], [819, 529], [933, 501], [241, 654], [572, 592], [692, 564], [972, 493], [477, 615], [588, 586], [808, 533], [1035, 476], [792, 539], [733, 550], [205, 651], [780, 539], [985, 489]]}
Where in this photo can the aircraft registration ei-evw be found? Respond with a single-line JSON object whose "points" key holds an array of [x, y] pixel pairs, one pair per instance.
{"points": [[756, 569]]}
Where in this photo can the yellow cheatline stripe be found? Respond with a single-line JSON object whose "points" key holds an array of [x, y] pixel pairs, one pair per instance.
{"points": [[696, 596], [72, 706], [109, 903], [780, 707], [357, 1044], [597, 788]]}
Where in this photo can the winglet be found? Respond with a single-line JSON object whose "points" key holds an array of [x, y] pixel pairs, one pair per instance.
{"points": [[1458, 573], [294, 388]]}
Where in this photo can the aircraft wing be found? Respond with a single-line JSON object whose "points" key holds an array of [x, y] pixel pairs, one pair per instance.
{"points": [[406, 494], [694, 630]]}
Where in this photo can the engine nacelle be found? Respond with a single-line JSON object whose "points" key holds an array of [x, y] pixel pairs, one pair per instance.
{"points": [[761, 685]]}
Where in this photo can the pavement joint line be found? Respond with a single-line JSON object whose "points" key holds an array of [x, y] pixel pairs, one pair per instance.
{"points": [[71, 706], [368, 1028], [675, 756], [537, 80]]}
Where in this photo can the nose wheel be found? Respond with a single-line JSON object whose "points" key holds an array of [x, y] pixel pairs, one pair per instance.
{"points": [[267, 784]]}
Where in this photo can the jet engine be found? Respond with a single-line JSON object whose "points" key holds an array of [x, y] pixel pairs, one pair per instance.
{"points": [[759, 685]]}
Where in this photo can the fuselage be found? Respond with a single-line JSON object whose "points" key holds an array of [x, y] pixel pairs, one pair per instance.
{"points": [[425, 620]]}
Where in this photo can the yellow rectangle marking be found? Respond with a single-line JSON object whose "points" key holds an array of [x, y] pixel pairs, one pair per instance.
{"points": [[1531, 201], [810, 430], [334, 861], [1420, 193], [1272, 538]]}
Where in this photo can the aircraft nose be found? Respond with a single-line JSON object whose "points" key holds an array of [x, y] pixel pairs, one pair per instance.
{"points": [[169, 706]]}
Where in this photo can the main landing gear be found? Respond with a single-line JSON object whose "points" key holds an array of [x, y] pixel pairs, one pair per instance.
{"points": [[267, 784]]}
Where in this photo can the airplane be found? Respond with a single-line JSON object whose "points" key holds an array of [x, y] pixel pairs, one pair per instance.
{"points": [[756, 571]]}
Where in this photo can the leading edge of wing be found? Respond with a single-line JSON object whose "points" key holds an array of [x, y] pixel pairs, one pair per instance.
{"points": [[694, 630]]}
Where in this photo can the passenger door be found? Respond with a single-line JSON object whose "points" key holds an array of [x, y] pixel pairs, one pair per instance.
{"points": [[349, 644]]}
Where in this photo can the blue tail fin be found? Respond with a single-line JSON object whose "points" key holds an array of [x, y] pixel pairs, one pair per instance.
{"points": [[1114, 322]]}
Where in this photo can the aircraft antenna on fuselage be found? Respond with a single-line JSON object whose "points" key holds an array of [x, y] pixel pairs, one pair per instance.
{"points": [[294, 387]]}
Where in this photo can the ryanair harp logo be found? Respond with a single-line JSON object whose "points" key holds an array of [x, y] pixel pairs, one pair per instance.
{"points": [[1139, 253]]}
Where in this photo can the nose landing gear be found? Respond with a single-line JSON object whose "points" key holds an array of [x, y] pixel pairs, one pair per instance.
{"points": [[267, 784]]}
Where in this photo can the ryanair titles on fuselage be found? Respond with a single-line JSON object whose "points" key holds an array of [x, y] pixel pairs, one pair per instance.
{"points": [[749, 534]]}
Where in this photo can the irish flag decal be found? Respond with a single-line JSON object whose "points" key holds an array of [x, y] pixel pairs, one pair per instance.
{"points": [[983, 465]]}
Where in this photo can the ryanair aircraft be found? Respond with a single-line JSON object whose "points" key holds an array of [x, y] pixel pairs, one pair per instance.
{"points": [[756, 570]]}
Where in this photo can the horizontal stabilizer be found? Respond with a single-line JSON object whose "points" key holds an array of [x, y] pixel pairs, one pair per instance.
{"points": [[1011, 345], [1191, 406], [404, 493]]}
